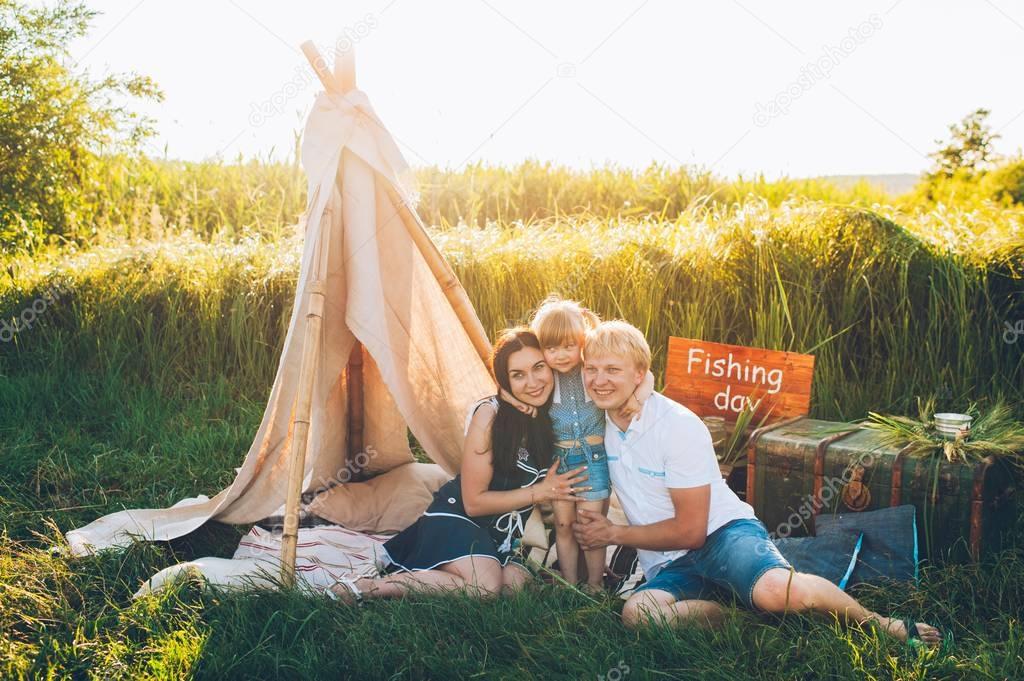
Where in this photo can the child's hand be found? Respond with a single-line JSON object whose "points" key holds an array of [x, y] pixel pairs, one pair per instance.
{"points": [[645, 389], [521, 406], [636, 401], [631, 408]]}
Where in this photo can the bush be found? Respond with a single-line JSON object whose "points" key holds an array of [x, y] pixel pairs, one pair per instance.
{"points": [[1005, 184], [54, 122], [966, 188]]}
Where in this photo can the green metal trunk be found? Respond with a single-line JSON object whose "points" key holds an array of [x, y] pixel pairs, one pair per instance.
{"points": [[800, 468]]}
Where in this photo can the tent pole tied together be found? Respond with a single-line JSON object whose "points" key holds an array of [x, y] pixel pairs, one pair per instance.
{"points": [[300, 432]]}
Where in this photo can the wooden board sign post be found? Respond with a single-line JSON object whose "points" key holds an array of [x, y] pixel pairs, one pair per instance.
{"points": [[717, 379]]}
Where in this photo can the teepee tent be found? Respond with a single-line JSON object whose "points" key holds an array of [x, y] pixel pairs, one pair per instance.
{"points": [[382, 338]]}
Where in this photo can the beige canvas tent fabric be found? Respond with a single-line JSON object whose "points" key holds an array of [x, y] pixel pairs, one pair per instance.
{"points": [[420, 366]]}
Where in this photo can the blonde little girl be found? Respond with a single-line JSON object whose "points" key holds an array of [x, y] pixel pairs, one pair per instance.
{"points": [[578, 427]]}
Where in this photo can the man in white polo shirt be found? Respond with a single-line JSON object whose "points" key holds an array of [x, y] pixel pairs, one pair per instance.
{"points": [[694, 537]]}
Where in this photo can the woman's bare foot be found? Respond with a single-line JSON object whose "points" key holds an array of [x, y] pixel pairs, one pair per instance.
{"points": [[928, 635], [592, 589], [350, 592]]}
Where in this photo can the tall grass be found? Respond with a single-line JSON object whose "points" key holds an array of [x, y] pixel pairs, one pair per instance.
{"points": [[889, 314], [150, 198], [143, 197]]}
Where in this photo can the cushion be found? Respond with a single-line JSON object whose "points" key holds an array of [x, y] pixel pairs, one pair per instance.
{"points": [[534, 532], [889, 550], [623, 573], [388, 502], [832, 555]]}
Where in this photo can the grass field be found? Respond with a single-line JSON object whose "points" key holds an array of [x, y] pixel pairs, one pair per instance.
{"points": [[142, 380], [77, 445]]}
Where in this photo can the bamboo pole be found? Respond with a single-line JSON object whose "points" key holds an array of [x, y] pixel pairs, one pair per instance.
{"points": [[319, 64], [300, 430], [341, 81], [345, 69], [343, 78], [355, 402], [345, 81]]}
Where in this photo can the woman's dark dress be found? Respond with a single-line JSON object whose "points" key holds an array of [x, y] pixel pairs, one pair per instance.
{"points": [[445, 532]]}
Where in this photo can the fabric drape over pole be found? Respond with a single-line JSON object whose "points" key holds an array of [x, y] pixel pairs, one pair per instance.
{"points": [[450, 284], [381, 339]]}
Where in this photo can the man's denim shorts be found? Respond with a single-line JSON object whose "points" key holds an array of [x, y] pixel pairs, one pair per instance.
{"points": [[731, 561], [597, 469]]}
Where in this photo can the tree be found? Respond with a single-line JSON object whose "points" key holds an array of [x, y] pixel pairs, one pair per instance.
{"points": [[969, 147], [55, 121]]}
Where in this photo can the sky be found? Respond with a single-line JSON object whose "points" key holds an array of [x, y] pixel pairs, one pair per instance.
{"points": [[789, 88]]}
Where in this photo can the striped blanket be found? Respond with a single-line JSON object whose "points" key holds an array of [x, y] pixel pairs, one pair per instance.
{"points": [[323, 554]]}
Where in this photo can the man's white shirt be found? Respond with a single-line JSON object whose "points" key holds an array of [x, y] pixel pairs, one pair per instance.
{"points": [[667, 447]]}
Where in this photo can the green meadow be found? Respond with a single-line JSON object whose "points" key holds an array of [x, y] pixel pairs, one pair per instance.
{"points": [[140, 377]]}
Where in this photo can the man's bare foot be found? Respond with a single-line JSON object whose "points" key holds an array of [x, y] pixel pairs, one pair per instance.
{"points": [[592, 589], [928, 635]]}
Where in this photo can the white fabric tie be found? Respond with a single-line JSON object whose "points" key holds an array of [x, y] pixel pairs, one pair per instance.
{"points": [[508, 523], [349, 122]]}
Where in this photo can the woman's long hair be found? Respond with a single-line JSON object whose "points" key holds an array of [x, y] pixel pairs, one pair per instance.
{"points": [[513, 429]]}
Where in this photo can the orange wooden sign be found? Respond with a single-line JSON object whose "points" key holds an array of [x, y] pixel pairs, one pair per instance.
{"points": [[716, 379]]}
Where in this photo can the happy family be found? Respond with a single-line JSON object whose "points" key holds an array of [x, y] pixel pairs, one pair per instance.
{"points": [[577, 415]]}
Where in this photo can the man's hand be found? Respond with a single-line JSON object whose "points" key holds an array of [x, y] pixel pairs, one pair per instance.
{"points": [[686, 529], [593, 530]]}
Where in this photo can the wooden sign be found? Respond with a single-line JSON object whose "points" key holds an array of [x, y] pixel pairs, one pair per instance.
{"points": [[716, 379]]}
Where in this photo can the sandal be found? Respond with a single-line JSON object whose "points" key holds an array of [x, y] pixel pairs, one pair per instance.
{"points": [[350, 584], [914, 637]]}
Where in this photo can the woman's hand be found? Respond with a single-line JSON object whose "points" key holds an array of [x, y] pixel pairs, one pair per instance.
{"points": [[555, 486]]}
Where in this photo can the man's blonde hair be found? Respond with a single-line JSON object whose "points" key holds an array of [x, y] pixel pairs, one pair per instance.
{"points": [[616, 337]]}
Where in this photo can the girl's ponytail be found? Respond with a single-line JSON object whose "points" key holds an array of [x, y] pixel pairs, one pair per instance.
{"points": [[590, 318]]}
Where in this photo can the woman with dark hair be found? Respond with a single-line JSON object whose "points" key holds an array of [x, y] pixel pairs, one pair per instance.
{"points": [[465, 538]]}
